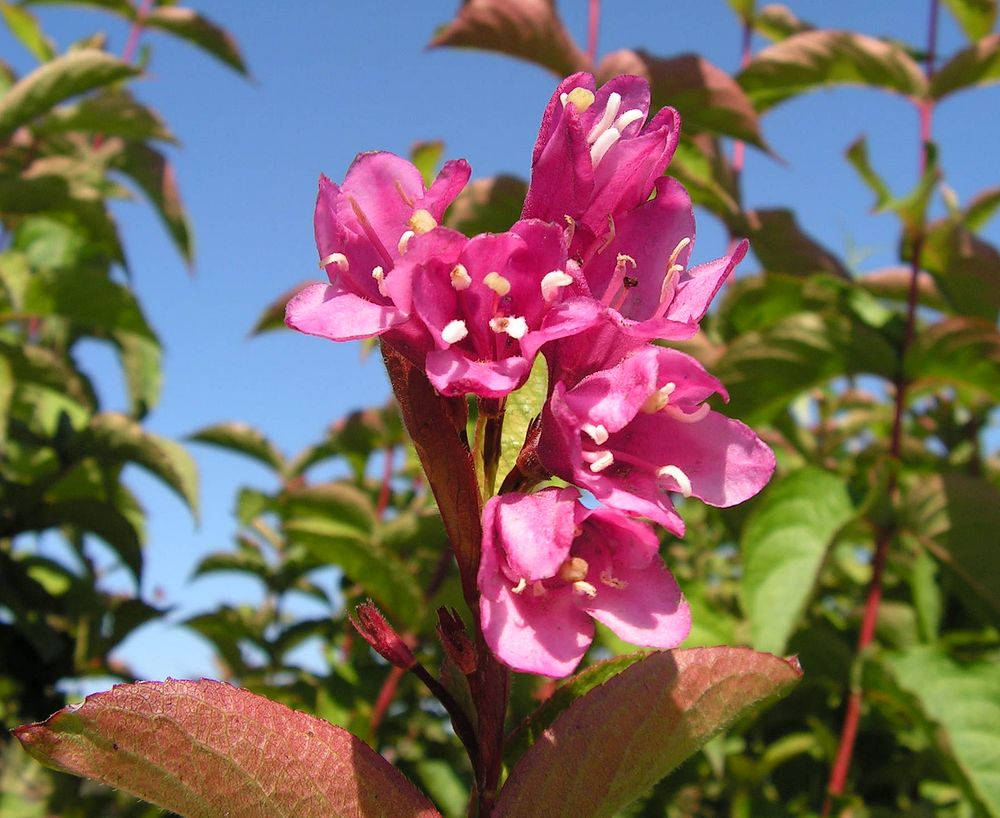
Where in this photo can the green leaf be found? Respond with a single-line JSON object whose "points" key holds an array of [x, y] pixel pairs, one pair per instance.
{"points": [[857, 154], [966, 269], [707, 98], [616, 741], [25, 27], [154, 175], [523, 406], [982, 208], [777, 22], [979, 64], [976, 17], [961, 703], [6, 396], [784, 544], [533, 728], [699, 164], [818, 59], [93, 517], [112, 113], [528, 29], [956, 517], [114, 438], [141, 362], [244, 439], [198, 30], [341, 504], [89, 298], [57, 80], [207, 750], [743, 8], [782, 246], [273, 316], [766, 370], [959, 352], [382, 575], [426, 157], [487, 206]]}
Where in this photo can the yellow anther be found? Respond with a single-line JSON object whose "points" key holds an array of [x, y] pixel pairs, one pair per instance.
{"points": [[497, 283], [573, 569], [422, 222], [581, 98]]}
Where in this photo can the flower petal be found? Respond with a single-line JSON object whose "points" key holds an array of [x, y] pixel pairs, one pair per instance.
{"points": [[323, 310]]}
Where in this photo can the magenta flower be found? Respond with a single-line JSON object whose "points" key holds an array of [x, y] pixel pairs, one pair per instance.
{"points": [[489, 303], [363, 228], [634, 430], [550, 567], [641, 269], [595, 157]]}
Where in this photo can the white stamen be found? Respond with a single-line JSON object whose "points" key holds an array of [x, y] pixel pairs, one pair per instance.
{"points": [[460, 278], [688, 417], [585, 588], [564, 98], [522, 583], [655, 402], [454, 331], [682, 480], [597, 432], [334, 258], [627, 119], [515, 326], [610, 112], [669, 281], [404, 241], [675, 253], [603, 145], [497, 283], [553, 282], [599, 461], [379, 275], [613, 582]]}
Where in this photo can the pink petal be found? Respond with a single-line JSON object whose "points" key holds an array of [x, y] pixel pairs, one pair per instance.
{"points": [[535, 531], [612, 397], [547, 634], [325, 311], [698, 286], [453, 374], [453, 177]]}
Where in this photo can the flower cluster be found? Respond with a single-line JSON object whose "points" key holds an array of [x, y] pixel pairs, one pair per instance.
{"points": [[596, 269]]}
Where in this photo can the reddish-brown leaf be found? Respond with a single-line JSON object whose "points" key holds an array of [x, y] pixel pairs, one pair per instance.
{"points": [[706, 96], [529, 29], [206, 750], [619, 739]]}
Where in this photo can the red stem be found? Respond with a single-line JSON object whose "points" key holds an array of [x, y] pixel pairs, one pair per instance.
{"points": [[132, 43], [385, 697], [385, 490], [593, 27], [852, 715]]}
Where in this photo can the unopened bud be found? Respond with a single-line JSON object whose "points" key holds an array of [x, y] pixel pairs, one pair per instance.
{"points": [[377, 632], [456, 641]]}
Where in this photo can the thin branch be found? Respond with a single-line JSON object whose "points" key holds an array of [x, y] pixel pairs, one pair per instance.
{"points": [[845, 750], [593, 29]]}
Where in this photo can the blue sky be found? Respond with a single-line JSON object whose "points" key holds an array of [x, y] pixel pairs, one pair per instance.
{"points": [[331, 79]]}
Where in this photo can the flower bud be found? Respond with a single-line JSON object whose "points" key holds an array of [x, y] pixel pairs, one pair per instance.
{"points": [[377, 632]]}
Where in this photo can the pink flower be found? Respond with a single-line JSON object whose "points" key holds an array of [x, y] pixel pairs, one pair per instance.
{"points": [[633, 430], [595, 158], [640, 268], [489, 303], [550, 567], [362, 230]]}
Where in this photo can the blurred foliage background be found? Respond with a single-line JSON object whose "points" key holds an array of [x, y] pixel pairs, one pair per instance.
{"points": [[877, 391]]}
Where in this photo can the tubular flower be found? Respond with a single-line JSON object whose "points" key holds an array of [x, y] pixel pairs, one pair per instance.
{"points": [[363, 229], [640, 269], [638, 431], [489, 303], [551, 566], [596, 157]]}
